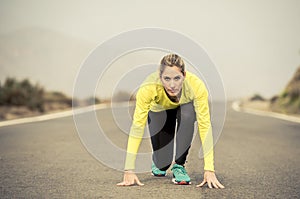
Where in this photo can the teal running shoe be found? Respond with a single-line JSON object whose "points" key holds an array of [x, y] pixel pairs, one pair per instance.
{"points": [[180, 175], [157, 172]]}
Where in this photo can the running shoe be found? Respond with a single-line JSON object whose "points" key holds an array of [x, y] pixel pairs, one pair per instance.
{"points": [[157, 172], [180, 175]]}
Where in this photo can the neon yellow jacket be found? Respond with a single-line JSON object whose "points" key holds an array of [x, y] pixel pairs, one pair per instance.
{"points": [[152, 96]]}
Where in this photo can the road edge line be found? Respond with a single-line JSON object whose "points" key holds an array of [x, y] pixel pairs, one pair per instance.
{"points": [[73, 111], [236, 106], [50, 116]]}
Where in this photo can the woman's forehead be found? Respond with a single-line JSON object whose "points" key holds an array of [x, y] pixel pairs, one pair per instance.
{"points": [[171, 71]]}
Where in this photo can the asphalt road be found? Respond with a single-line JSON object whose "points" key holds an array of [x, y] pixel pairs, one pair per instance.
{"points": [[255, 157]]}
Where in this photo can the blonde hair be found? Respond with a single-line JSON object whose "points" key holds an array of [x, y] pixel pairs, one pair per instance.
{"points": [[171, 60]]}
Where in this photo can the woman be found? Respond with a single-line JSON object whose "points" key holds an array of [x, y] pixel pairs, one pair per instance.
{"points": [[166, 96]]}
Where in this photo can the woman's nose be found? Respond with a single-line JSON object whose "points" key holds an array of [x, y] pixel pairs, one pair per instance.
{"points": [[172, 84]]}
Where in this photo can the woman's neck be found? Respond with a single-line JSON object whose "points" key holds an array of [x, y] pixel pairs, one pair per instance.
{"points": [[174, 98]]}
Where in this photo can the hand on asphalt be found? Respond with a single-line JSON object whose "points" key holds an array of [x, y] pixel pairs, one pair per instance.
{"points": [[130, 179], [211, 180]]}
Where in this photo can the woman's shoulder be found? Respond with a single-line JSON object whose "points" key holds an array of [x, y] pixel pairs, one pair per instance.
{"points": [[192, 78], [152, 80], [151, 84], [195, 85], [153, 77]]}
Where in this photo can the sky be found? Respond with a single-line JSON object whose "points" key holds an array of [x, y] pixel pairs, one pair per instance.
{"points": [[255, 45]]}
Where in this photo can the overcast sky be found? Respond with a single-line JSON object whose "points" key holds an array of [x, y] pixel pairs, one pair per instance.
{"points": [[254, 44]]}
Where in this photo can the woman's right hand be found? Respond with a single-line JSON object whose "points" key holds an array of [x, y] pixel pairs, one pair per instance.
{"points": [[130, 179]]}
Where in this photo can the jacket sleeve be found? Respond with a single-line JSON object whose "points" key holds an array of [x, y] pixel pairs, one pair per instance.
{"points": [[204, 124], [143, 100]]}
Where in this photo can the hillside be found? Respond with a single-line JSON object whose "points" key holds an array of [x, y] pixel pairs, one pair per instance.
{"points": [[23, 98], [289, 100]]}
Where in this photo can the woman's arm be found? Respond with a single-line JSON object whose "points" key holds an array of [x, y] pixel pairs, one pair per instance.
{"points": [[142, 108], [205, 130], [204, 124]]}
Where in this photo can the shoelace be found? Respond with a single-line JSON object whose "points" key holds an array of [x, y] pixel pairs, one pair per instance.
{"points": [[179, 170], [155, 169]]}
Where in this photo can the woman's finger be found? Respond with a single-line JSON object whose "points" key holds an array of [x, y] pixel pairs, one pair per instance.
{"points": [[220, 185], [125, 183], [138, 182], [201, 184], [209, 185], [215, 185], [121, 184]]}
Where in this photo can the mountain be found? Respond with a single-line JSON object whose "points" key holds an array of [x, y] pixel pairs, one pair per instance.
{"points": [[289, 100], [44, 56]]}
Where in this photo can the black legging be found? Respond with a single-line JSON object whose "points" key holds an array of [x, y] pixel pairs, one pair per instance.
{"points": [[162, 130]]}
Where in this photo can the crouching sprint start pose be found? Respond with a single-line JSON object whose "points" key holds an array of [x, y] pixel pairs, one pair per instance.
{"points": [[166, 96]]}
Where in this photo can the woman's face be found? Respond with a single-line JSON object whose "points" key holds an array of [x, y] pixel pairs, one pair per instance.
{"points": [[172, 80]]}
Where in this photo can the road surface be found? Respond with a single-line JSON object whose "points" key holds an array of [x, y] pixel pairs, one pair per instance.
{"points": [[255, 157]]}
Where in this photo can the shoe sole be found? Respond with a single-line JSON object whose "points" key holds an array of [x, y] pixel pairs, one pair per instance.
{"points": [[160, 175], [181, 182]]}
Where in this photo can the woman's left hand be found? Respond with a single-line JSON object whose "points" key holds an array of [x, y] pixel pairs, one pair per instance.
{"points": [[211, 179]]}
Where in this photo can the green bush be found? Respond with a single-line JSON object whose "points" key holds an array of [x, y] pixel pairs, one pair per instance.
{"points": [[21, 93], [92, 101], [122, 96], [58, 97], [257, 97]]}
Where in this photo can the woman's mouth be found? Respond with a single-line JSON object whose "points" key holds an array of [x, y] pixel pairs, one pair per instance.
{"points": [[171, 91]]}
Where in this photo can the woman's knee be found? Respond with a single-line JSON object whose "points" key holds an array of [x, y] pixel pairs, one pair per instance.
{"points": [[187, 112]]}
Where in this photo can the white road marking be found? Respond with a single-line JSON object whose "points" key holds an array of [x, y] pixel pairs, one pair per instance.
{"points": [[68, 113], [235, 106]]}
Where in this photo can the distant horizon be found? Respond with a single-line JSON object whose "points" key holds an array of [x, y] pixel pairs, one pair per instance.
{"points": [[32, 81]]}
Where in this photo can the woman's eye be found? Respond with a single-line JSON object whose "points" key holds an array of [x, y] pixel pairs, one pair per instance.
{"points": [[177, 78], [167, 78]]}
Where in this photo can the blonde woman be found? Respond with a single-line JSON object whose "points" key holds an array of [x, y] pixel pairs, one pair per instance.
{"points": [[171, 95]]}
